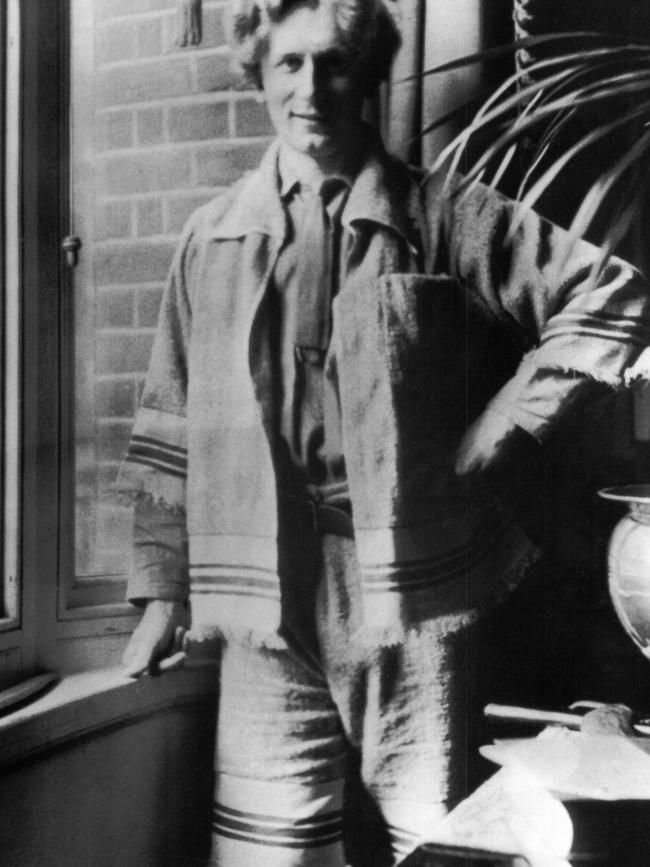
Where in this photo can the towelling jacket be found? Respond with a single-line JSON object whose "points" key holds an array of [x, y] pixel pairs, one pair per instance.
{"points": [[440, 317]]}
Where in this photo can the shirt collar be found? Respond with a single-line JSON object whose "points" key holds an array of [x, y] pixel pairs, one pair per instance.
{"points": [[383, 192], [290, 180]]}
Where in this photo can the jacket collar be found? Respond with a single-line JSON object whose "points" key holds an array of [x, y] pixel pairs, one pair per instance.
{"points": [[384, 192]]}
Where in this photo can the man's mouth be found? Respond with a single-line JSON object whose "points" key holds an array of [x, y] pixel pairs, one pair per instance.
{"points": [[310, 118]]}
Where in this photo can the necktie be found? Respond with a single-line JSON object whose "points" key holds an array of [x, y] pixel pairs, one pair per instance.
{"points": [[314, 273]]}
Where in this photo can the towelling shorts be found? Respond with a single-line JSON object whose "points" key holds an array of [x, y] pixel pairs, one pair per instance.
{"points": [[330, 753]]}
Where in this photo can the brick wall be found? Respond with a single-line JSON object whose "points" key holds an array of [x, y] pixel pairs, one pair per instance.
{"points": [[171, 128]]}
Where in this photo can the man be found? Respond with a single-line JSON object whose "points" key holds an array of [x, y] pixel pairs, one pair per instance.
{"points": [[316, 432]]}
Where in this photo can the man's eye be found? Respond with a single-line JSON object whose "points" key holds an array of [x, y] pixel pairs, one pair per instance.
{"points": [[292, 62], [336, 64]]}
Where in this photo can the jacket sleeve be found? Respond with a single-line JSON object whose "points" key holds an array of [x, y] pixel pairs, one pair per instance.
{"points": [[583, 330], [159, 554], [154, 472]]}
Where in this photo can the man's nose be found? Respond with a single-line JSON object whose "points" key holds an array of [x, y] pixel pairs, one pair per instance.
{"points": [[313, 85]]}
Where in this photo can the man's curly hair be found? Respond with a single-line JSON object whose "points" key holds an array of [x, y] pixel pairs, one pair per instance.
{"points": [[368, 29]]}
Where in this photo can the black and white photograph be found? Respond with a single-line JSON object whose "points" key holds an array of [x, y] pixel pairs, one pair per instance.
{"points": [[325, 433]]}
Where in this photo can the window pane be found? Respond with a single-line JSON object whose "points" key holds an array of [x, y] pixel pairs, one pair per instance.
{"points": [[100, 430], [156, 130]]}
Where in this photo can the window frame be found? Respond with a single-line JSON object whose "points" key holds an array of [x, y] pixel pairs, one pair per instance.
{"points": [[45, 626], [9, 316]]}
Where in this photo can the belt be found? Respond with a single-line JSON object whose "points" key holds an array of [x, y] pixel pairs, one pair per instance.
{"points": [[320, 518]]}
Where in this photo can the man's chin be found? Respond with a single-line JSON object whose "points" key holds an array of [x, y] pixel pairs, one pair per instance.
{"points": [[316, 146]]}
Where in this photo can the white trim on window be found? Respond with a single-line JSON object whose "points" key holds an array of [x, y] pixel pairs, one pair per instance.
{"points": [[11, 323]]}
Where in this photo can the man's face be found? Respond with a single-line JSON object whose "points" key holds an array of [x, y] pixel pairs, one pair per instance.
{"points": [[308, 77]]}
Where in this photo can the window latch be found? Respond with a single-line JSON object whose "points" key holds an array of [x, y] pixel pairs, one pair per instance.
{"points": [[71, 245]]}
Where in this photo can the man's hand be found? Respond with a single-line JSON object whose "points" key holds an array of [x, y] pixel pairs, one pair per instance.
{"points": [[160, 632], [491, 444]]}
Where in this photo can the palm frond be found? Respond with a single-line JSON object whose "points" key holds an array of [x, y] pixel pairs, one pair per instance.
{"points": [[548, 138], [547, 111], [530, 198], [501, 51], [552, 112], [499, 105], [605, 183]]}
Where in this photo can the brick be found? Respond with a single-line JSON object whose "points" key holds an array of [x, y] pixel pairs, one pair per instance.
{"points": [[106, 9], [132, 263], [149, 37], [149, 219], [113, 221], [215, 72], [116, 42], [222, 165], [180, 208], [148, 306], [150, 126], [115, 399], [114, 130], [252, 118], [115, 308], [213, 34], [214, 31], [198, 121], [123, 353], [156, 79], [112, 440], [146, 172]]}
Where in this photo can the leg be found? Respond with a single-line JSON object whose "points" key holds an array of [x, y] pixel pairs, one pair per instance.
{"points": [[409, 710], [280, 763]]}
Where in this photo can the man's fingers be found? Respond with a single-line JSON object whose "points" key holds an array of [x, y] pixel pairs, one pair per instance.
{"points": [[179, 638], [140, 654], [169, 663], [143, 658], [136, 663], [157, 643]]}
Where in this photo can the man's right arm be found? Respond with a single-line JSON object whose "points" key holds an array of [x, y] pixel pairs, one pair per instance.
{"points": [[159, 582]]}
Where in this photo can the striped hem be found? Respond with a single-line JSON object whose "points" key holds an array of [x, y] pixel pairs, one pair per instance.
{"points": [[607, 326], [406, 576], [234, 566], [266, 830], [234, 580], [417, 574], [157, 454]]}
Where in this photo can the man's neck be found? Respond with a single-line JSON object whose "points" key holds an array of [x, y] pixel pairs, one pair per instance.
{"points": [[312, 172]]}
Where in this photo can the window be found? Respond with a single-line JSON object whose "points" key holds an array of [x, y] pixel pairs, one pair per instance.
{"points": [[112, 134]]}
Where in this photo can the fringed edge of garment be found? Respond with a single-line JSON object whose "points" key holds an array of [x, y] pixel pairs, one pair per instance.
{"points": [[639, 373], [392, 626], [246, 620], [134, 484], [130, 498]]}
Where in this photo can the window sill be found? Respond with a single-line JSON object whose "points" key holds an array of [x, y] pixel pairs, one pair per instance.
{"points": [[84, 706]]}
